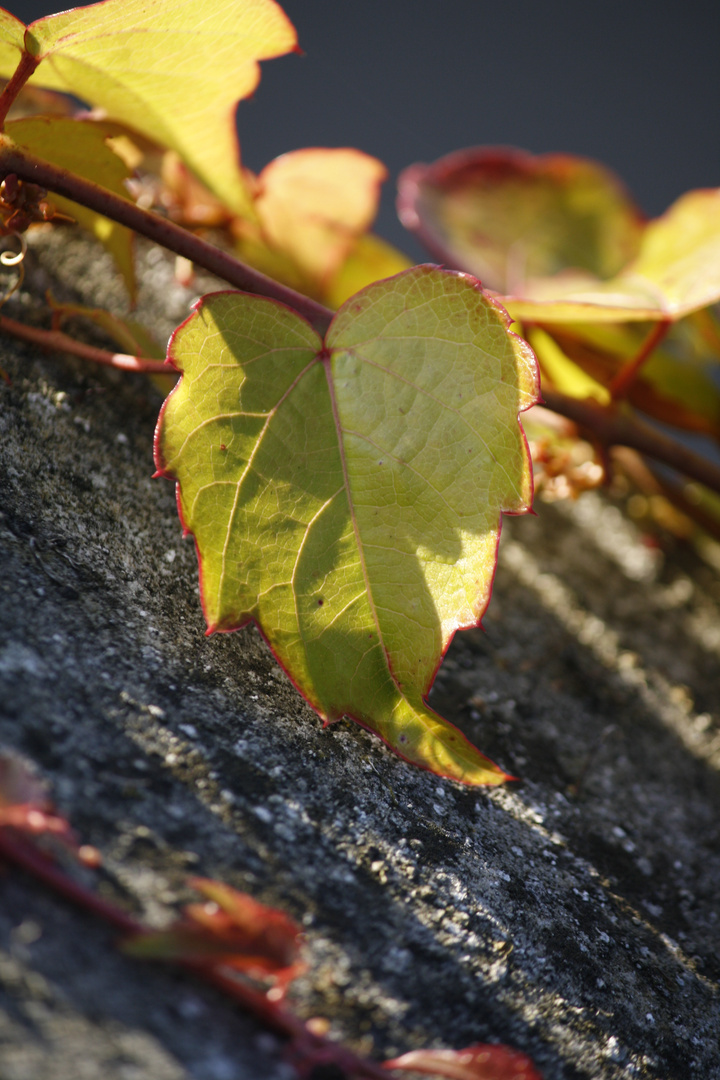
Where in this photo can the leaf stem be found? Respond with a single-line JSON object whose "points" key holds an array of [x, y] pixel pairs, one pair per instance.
{"points": [[20, 76], [612, 428], [57, 341], [14, 159], [623, 380]]}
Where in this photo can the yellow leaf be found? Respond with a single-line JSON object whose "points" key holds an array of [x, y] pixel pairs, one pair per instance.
{"points": [[173, 70], [565, 375], [313, 205]]}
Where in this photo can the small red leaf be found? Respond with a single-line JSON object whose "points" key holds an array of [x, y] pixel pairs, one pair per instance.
{"points": [[231, 929], [480, 1062]]}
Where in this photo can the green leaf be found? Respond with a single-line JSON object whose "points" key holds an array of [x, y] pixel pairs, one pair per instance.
{"points": [[171, 69], [511, 218], [82, 149], [314, 204], [558, 237], [345, 495], [680, 254], [676, 272]]}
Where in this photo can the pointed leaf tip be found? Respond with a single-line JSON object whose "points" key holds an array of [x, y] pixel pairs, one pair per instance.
{"points": [[345, 494]]}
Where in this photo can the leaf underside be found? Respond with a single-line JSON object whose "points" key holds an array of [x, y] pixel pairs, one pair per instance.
{"points": [[345, 495], [173, 70]]}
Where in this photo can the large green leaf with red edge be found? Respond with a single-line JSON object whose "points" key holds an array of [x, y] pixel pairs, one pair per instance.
{"points": [[557, 236], [513, 219], [345, 494], [82, 148], [173, 70], [484, 1061]]}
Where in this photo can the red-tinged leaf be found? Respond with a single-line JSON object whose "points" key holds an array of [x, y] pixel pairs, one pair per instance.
{"points": [[312, 210], [675, 385], [481, 1062], [513, 219], [346, 494], [676, 272], [559, 238], [232, 929]]}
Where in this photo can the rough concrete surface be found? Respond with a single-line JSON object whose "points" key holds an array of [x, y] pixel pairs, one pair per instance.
{"points": [[573, 915]]}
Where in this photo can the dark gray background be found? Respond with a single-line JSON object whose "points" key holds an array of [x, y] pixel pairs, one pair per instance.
{"points": [[636, 85]]}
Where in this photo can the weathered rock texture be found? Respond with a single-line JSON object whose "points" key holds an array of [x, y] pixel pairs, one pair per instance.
{"points": [[573, 915]]}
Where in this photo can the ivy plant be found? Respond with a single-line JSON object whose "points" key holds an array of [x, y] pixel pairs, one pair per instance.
{"points": [[343, 476], [344, 471]]}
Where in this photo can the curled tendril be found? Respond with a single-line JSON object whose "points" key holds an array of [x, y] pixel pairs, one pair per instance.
{"points": [[14, 259]]}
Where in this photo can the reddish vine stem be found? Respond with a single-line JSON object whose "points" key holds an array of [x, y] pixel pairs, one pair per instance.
{"points": [[625, 377], [12, 88], [13, 159], [26, 855], [57, 341], [615, 428]]}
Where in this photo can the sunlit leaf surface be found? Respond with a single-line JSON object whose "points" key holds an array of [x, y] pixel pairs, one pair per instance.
{"points": [[172, 69], [346, 494]]}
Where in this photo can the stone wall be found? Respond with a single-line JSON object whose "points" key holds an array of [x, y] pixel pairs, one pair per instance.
{"points": [[573, 914]]}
